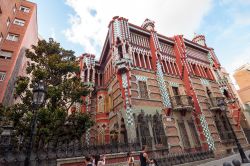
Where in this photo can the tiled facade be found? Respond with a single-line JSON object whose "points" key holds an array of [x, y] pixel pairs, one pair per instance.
{"points": [[18, 31], [163, 91]]}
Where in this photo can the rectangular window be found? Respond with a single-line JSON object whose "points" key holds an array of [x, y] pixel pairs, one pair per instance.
{"points": [[175, 91], [2, 75], [14, 9], [143, 89], [5, 54], [24, 9], [19, 22], [8, 22], [177, 97], [1, 37], [12, 37], [217, 74]]}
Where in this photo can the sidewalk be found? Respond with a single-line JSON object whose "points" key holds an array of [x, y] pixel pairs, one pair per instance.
{"points": [[226, 159]]}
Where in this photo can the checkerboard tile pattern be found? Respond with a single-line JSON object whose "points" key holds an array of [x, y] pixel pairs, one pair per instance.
{"points": [[162, 85]]}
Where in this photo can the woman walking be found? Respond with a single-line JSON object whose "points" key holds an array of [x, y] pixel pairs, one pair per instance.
{"points": [[131, 160]]}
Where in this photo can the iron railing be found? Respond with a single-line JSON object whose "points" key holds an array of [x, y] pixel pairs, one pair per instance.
{"points": [[14, 154], [182, 102], [214, 102], [185, 157], [49, 153]]}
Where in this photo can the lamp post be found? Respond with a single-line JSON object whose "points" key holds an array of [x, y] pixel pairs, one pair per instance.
{"points": [[38, 100], [223, 107]]}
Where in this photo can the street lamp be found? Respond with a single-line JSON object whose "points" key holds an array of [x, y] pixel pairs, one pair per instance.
{"points": [[38, 99], [243, 156]]}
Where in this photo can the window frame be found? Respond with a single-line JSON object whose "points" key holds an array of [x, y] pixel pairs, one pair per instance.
{"points": [[13, 37], [14, 8], [143, 91], [19, 22], [2, 75], [1, 37], [8, 22], [24, 9], [5, 57]]}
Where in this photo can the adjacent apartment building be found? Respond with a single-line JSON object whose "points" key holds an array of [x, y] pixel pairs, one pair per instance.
{"points": [[18, 31], [242, 77], [165, 92]]}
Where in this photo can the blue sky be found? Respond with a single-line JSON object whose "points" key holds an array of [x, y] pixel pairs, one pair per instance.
{"points": [[81, 25]]}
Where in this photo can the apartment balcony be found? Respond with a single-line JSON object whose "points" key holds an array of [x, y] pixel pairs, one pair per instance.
{"points": [[182, 102], [214, 103]]}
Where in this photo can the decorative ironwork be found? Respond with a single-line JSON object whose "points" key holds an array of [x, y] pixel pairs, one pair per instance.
{"points": [[51, 151], [184, 135], [48, 153], [222, 125], [214, 103], [143, 130], [158, 130], [181, 158], [181, 102]]}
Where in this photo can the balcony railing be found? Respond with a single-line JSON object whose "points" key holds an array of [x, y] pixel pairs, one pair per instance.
{"points": [[214, 102], [181, 102]]}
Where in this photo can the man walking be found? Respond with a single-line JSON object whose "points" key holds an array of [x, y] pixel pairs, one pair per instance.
{"points": [[144, 157]]}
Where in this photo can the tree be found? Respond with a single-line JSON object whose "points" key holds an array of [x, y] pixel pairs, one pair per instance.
{"points": [[59, 70]]}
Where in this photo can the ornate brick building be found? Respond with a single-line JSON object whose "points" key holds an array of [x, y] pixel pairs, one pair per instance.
{"points": [[162, 91]]}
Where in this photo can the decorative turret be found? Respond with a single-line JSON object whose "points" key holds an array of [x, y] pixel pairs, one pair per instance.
{"points": [[120, 43], [199, 39], [87, 62], [148, 24]]}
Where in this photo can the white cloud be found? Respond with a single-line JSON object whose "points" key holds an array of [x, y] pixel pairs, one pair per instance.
{"points": [[171, 17], [240, 59]]}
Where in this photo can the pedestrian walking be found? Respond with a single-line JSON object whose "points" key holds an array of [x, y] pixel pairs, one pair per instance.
{"points": [[130, 160], [144, 157], [100, 161], [93, 160], [88, 161]]}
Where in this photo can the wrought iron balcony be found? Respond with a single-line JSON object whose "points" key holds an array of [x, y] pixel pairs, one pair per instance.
{"points": [[182, 102], [214, 103]]}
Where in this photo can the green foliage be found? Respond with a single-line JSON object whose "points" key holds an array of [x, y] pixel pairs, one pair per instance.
{"points": [[59, 70]]}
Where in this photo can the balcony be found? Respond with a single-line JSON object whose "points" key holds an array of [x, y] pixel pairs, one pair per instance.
{"points": [[182, 102], [214, 103]]}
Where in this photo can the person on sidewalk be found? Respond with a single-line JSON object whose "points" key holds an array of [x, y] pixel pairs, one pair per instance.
{"points": [[100, 161], [144, 157], [131, 160], [88, 161]]}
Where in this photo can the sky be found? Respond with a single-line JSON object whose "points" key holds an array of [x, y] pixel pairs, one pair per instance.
{"points": [[82, 25]]}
